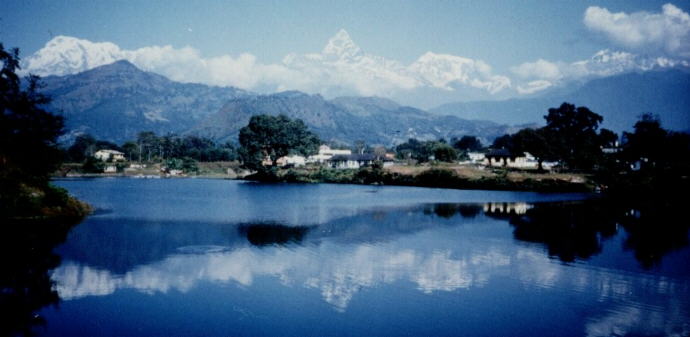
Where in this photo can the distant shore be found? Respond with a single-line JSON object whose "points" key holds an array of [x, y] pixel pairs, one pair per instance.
{"points": [[438, 176]]}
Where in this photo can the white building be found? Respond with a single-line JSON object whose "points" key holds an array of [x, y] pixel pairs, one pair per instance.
{"points": [[106, 155], [326, 153], [293, 160], [476, 157]]}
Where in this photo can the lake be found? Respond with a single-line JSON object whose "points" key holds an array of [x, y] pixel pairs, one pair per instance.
{"points": [[195, 257]]}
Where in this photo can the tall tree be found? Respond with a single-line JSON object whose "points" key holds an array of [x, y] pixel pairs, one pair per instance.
{"points": [[467, 143], [536, 142], [271, 137], [28, 133], [574, 135]]}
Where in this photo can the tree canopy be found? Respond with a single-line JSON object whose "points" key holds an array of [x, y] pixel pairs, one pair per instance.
{"points": [[269, 137], [29, 153], [467, 143], [572, 132], [424, 151], [570, 136], [28, 133]]}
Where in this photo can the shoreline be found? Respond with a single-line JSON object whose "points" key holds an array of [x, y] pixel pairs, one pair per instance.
{"points": [[432, 177]]}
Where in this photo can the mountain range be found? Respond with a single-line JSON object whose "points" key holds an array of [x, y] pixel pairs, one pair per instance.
{"points": [[116, 101], [620, 99]]}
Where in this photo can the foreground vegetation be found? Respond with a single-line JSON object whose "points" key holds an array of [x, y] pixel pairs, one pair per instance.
{"points": [[28, 150]]}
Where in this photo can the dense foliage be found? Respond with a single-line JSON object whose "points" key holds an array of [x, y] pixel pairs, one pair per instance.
{"points": [[150, 147], [28, 148], [425, 151], [269, 137], [570, 137]]}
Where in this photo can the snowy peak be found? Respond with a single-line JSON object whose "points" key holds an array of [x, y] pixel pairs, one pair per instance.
{"points": [[65, 55], [342, 46]]}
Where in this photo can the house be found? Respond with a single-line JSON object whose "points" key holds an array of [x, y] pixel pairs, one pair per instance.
{"points": [[505, 158], [326, 153], [293, 160], [355, 161], [351, 161], [476, 157], [109, 155]]}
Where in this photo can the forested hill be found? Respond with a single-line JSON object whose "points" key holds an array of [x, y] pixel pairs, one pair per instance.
{"points": [[347, 119], [114, 102]]}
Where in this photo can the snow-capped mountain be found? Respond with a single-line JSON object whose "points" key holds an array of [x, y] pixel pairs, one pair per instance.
{"points": [[340, 68], [341, 47], [64, 55]]}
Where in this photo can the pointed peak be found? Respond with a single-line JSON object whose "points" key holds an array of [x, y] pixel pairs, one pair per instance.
{"points": [[341, 35], [342, 46]]}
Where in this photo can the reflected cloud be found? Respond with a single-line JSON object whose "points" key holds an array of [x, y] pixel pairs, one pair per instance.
{"points": [[337, 271], [638, 320], [428, 247]]}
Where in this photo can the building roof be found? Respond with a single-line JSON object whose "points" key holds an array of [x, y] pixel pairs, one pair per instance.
{"points": [[500, 153], [109, 151]]}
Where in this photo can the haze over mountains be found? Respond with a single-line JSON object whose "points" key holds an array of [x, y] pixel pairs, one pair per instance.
{"points": [[620, 99]]}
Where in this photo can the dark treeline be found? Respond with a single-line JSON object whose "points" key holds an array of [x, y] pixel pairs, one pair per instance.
{"points": [[28, 149], [439, 150], [150, 147], [571, 137]]}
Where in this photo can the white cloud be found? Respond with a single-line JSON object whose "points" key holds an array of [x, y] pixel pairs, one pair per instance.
{"points": [[666, 33], [533, 86], [340, 68], [543, 74], [538, 69]]}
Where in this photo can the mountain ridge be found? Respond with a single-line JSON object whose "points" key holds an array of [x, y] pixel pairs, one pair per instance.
{"points": [[620, 99], [117, 101]]}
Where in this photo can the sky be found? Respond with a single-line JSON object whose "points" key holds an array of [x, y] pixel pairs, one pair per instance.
{"points": [[407, 49]]}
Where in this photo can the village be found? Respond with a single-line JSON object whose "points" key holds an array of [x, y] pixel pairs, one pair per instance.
{"points": [[115, 162]]}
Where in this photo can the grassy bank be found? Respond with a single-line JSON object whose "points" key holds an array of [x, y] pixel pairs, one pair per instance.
{"points": [[36, 204]]}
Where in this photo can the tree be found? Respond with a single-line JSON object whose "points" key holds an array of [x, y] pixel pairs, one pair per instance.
{"points": [[84, 146], [29, 153], [131, 150], [445, 152], [607, 138], [647, 142], [148, 144], [468, 143], [269, 137], [28, 133], [574, 135], [502, 142], [536, 142]]}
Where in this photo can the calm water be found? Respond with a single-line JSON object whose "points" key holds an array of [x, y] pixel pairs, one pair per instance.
{"points": [[189, 257]]}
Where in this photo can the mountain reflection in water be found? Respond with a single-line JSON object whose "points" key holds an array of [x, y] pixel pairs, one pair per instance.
{"points": [[505, 268]]}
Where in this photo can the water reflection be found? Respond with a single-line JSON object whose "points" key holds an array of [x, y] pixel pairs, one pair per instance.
{"points": [[263, 234], [577, 230], [26, 257], [569, 231], [465, 259]]}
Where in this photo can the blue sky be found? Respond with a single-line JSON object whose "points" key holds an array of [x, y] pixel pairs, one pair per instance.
{"points": [[502, 34]]}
